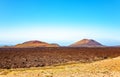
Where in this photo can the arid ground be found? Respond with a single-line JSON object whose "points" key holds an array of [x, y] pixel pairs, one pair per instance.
{"points": [[105, 68], [60, 62]]}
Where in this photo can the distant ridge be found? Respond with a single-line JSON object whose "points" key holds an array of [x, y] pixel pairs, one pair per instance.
{"points": [[36, 43], [86, 43]]}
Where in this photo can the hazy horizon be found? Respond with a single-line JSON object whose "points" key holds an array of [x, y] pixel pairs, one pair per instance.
{"points": [[59, 21]]}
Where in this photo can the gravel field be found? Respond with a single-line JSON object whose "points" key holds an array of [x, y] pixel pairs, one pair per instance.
{"points": [[104, 68]]}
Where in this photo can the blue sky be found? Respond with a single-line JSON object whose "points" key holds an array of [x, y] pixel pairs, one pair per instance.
{"points": [[59, 21]]}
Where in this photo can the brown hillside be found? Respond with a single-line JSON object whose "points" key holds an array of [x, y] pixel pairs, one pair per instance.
{"points": [[36, 44], [86, 43]]}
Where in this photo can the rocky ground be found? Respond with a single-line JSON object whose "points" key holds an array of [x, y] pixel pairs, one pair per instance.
{"points": [[46, 56], [104, 68]]}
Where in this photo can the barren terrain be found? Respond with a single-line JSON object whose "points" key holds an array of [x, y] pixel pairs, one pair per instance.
{"points": [[104, 68], [45, 56]]}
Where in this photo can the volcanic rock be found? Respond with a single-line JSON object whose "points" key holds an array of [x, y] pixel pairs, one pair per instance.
{"points": [[36, 43], [86, 43]]}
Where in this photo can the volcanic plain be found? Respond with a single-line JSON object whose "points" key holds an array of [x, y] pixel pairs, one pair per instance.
{"points": [[47, 56]]}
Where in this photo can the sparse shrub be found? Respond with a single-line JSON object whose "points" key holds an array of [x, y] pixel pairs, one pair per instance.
{"points": [[105, 57]]}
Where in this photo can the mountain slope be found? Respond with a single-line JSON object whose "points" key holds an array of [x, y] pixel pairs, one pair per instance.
{"points": [[36, 43], [86, 43]]}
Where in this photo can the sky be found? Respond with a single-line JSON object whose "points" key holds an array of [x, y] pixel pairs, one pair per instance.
{"points": [[59, 21]]}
